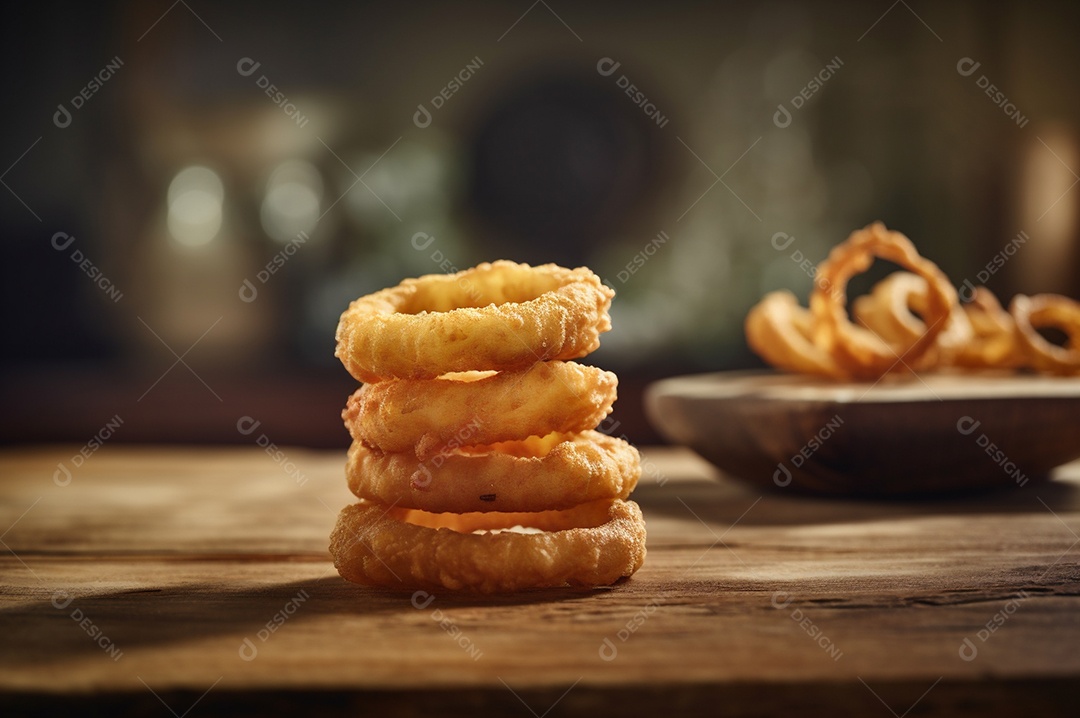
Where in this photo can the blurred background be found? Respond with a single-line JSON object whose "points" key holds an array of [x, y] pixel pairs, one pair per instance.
{"points": [[192, 192]]}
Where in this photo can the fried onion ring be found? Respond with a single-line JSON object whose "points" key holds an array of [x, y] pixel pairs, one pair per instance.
{"points": [[590, 545], [994, 344], [781, 332], [496, 316], [1044, 311], [858, 350], [557, 471], [429, 415], [889, 311]]}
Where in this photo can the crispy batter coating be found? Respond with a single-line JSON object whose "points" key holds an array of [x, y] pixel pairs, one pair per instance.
{"points": [[859, 351], [500, 315], [889, 312], [590, 545], [428, 415], [557, 471], [781, 332], [1048, 310]]}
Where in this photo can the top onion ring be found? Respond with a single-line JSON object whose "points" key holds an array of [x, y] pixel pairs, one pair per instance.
{"points": [[499, 315], [858, 350]]}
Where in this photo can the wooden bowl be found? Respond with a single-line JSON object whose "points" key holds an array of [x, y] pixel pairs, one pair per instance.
{"points": [[930, 434]]}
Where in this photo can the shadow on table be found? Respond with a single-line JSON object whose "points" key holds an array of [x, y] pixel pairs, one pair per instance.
{"points": [[70, 626], [724, 501]]}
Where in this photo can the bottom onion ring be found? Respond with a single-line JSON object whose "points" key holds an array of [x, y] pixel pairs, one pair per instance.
{"points": [[1045, 311], [781, 332], [557, 471], [858, 350], [590, 545]]}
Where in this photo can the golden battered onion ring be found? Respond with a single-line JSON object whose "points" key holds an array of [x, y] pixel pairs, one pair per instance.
{"points": [[557, 471], [781, 332], [498, 315], [995, 344], [589, 545], [858, 350], [1048, 310], [428, 415], [889, 312]]}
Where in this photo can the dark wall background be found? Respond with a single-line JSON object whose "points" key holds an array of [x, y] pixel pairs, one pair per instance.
{"points": [[179, 178]]}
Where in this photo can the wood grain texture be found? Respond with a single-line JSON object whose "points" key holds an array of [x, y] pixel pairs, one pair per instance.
{"points": [[757, 603]]}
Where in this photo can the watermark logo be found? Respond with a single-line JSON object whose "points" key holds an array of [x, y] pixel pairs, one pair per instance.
{"points": [[967, 67], [781, 241], [967, 289], [607, 67], [422, 477], [638, 260], [421, 241], [246, 67], [783, 116], [248, 291], [63, 116], [62, 476], [247, 426], [781, 600], [969, 650], [61, 241], [61, 600], [782, 475], [967, 426], [248, 649], [608, 650], [421, 600], [423, 116]]}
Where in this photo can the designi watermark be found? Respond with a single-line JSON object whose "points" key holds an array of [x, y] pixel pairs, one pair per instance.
{"points": [[644, 255], [783, 116], [248, 650], [782, 599], [247, 67], [966, 425], [423, 116], [607, 67], [967, 289], [422, 599], [967, 67], [61, 600], [782, 475], [61, 241], [62, 476], [248, 291], [608, 650], [968, 649], [246, 425], [63, 116]]}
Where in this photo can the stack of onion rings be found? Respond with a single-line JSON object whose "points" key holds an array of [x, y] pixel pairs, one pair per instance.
{"points": [[473, 453], [910, 321]]}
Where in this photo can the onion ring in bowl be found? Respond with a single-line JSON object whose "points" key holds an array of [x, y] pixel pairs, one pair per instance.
{"points": [[1048, 310], [495, 316], [590, 545], [557, 471], [429, 415], [889, 311], [859, 351], [781, 332], [995, 344]]}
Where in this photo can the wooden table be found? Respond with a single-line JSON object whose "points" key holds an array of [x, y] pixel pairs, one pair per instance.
{"points": [[196, 582]]}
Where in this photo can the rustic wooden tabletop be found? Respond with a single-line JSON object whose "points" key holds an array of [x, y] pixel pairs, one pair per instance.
{"points": [[196, 582]]}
